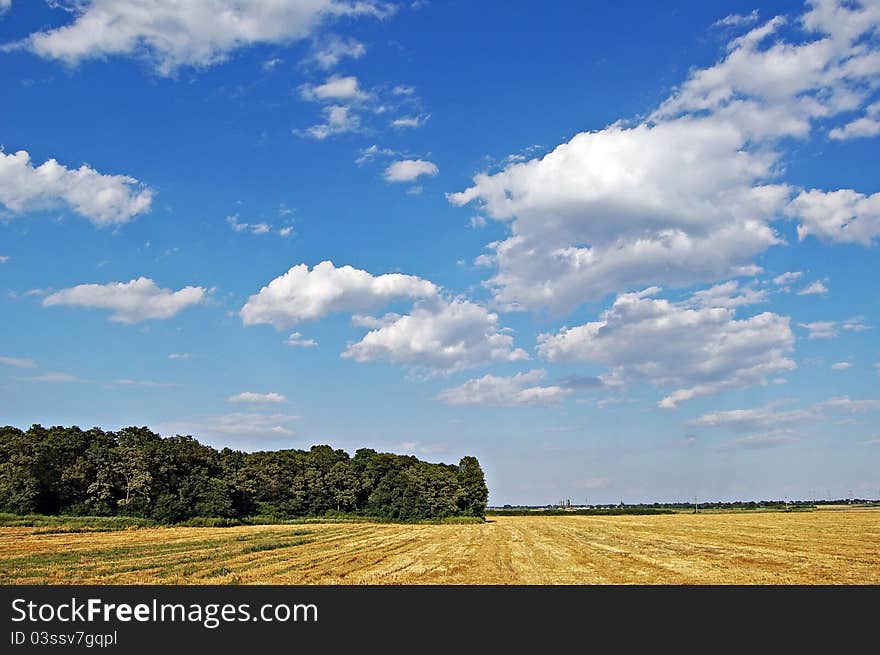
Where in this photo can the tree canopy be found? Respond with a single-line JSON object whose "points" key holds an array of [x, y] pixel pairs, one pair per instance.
{"points": [[136, 472]]}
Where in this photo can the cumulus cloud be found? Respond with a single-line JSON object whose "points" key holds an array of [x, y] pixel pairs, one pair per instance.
{"points": [[696, 350], [257, 398], [336, 88], [843, 216], [521, 389], [332, 49], [841, 366], [688, 195], [338, 119], [729, 294], [129, 302], [174, 34], [18, 362], [437, 337], [408, 170], [787, 278], [103, 199], [296, 340], [814, 288], [861, 128], [305, 295]]}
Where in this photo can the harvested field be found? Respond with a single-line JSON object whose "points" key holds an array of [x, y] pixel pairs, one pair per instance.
{"points": [[840, 547]]}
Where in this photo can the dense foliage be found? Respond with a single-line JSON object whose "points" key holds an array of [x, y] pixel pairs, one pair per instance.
{"points": [[135, 472]]}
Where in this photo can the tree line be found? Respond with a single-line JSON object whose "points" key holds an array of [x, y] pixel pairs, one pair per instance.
{"points": [[136, 472]]}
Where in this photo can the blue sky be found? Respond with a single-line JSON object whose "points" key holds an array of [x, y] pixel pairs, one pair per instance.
{"points": [[617, 252]]}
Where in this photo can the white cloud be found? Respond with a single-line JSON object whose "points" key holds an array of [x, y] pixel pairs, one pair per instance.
{"points": [[821, 329], [517, 390], [18, 362], [103, 199], [812, 289], [678, 202], [769, 417], [256, 228], [410, 121], [304, 295], [338, 119], [335, 89], [257, 398], [272, 64], [4, 259], [4, 6], [841, 366], [848, 405], [786, 278], [296, 340], [698, 351], [729, 294], [174, 34], [332, 49], [130, 302], [180, 356], [737, 20], [843, 216], [856, 324], [861, 128], [53, 376], [831, 329], [236, 424], [126, 382], [760, 441], [688, 195], [437, 337], [771, 421], [372, 152], [408, 170]]}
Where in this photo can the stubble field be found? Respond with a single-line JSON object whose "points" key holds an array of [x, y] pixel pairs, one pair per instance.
{"points": [[737, 548]]}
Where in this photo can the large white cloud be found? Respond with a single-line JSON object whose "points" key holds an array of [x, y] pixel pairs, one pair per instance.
{"points": [[522, 389], [689, 194], [304, 295], [843, 216], [437, 337], [695, 350], [130, 302], [173, 34], [103, 199]]}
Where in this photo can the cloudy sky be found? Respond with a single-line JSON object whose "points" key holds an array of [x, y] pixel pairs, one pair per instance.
{"points": [[619, 252]]}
